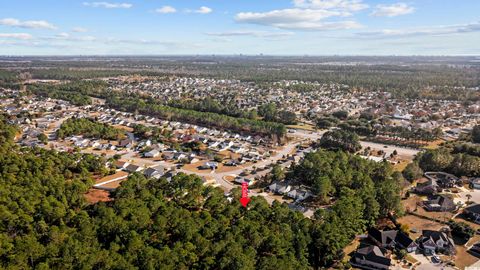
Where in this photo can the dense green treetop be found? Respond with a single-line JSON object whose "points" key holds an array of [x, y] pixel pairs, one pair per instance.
{"points": [[459, 160], [89, 128], [329, 172], [340, 140]]}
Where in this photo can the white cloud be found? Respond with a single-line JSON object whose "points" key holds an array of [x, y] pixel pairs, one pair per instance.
{"points": [[63, 35], [204, 10], [107, 5], [79, 30], [166, 10], [424, 31], [346, 5], [67, 37], [252, 33], [298, 19], [392, 10], [22, 36], [27, 24], [308, 15]]}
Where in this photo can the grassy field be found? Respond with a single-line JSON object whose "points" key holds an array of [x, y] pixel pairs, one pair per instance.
{"points": [[349, 249], [434, 144], [399, 167], [302, 126]]}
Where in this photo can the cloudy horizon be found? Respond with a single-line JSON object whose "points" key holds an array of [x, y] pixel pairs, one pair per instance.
{"points": [[293, 27]]}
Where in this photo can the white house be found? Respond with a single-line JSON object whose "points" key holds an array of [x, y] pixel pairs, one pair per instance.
{"points": [[152, 154], [280, 188], [299, 194], [240, 180]]}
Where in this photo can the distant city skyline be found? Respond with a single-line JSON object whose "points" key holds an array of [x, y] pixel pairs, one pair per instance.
{"points": [[275, 27]]}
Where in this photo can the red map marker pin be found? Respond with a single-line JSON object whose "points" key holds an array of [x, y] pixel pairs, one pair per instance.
{"points": [[244, 200]]}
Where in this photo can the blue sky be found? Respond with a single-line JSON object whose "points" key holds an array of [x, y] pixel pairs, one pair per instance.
{"points": [[276, 27]]}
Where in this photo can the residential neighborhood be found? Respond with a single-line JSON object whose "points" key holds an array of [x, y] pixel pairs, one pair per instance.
{"points": [[438, 226]]}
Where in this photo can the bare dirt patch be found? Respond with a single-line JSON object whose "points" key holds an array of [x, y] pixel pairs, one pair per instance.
{"points": [[96, 195], [229, 154], [419, 224], [127, 129], [113, 185], [463, 258], [229, 178]]}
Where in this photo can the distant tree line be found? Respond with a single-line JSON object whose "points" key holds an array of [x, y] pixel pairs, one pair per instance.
{"points": [[212, 105], [413, 78], [152, 108], [7, 76], [77, 74], [79, 93]]}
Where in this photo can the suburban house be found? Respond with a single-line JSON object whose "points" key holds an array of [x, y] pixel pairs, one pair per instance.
{"points": [[405, 242], [133, 168], [473, 212], [179, 156], [475, 248], [475, 183], [429, 187], [436, 242], [392, 239], [440, 203], [280, 188], [126, 143], [241, 180], [120, 165], [152, 154], [154, 172], [232, 163], [370, 257], [436, 182], [299, 194], [209, 166], [193, 159], [444, 180], [170, 174], [168, 155]]}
